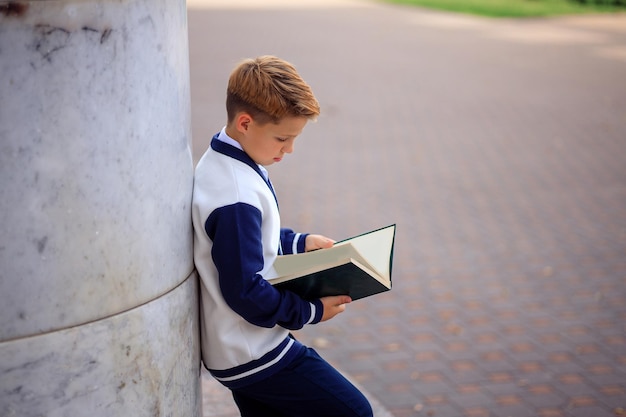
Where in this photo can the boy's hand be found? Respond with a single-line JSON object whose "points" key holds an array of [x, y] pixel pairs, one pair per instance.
{"points": [[334, 305], [314, 242]]}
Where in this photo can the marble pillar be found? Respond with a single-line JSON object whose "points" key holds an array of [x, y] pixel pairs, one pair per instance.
{"points": [[98, 294]]}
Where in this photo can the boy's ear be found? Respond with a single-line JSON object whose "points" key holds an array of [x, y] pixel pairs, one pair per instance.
{"points": [[242, 122]]}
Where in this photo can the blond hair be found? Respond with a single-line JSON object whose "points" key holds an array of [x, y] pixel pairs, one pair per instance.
{"points": [[270, 89]]}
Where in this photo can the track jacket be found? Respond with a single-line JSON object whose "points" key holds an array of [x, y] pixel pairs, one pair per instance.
{"points": [[245, 322]]}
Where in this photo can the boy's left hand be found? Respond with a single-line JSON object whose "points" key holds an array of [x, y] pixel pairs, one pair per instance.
{"points": [[314, 242]]}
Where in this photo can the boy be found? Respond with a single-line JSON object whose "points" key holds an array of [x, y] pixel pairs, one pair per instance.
{"points": [[246, 344]]}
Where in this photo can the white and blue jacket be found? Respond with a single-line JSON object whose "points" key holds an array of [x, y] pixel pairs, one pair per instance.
{"points": [[245, 322]]}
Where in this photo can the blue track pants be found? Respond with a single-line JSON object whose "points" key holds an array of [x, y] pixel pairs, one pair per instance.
{"points": [[308, 387]]}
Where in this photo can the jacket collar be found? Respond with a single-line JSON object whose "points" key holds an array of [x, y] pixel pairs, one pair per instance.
{"points": [[238, 154]]}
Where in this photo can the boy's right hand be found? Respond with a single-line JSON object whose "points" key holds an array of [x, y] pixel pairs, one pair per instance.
{"points": [[334, 305]]}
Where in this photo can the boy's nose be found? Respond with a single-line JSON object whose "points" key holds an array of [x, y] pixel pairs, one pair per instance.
{"points": [[288, 148]]}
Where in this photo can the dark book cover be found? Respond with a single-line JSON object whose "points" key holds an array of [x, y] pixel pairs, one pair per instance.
{"points": [[347, 279]]}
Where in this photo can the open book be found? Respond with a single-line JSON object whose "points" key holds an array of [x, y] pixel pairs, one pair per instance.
{"points": [[359, 267]]}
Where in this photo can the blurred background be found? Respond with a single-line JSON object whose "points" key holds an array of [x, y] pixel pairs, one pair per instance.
{"points": [[498, 147]]}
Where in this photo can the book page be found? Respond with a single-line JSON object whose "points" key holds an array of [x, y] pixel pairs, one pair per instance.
{"points": [[290, 265], [375, 247]]}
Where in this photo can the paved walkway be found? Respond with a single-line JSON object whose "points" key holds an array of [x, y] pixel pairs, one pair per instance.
{"points": [[499, 149]]}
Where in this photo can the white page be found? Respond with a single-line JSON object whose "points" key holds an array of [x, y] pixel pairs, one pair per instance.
{"points": [[374, 247], [287, 265]]}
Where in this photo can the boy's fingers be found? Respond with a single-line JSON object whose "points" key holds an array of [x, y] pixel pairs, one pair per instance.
{"points": [[327, 243], [343, 299]]}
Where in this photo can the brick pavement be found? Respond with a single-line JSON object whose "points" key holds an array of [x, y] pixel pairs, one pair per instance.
{"points": [[498, 148]]}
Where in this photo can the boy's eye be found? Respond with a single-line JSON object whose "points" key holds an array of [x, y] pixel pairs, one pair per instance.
{"points": [[282, 139]]}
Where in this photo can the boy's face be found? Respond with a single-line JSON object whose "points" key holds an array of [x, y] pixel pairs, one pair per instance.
{"points": [[268, 143]]}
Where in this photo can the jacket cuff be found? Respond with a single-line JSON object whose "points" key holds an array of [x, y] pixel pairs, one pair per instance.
{"points": [[301, 245], [317, 311]]}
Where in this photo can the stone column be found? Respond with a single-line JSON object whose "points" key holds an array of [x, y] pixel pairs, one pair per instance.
{"points": [[98, 294]]}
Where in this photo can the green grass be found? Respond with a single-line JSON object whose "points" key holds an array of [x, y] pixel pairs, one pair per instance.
{"points": [[511, 8]]}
